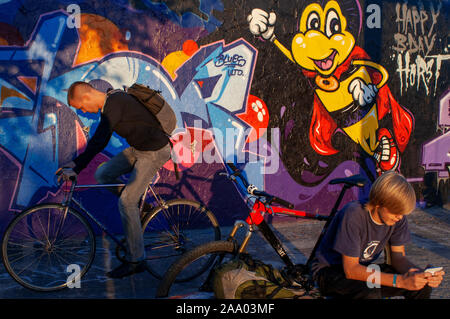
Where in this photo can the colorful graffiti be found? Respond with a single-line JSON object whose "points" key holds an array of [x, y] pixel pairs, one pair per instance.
{"points": [[327, 110], [421, 61], [213, 84], [436, 157], [39, 132], [350, 92], [415, 42], [359, 112]]}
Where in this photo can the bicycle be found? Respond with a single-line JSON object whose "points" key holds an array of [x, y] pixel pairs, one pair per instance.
{"points": [[217, 252], [41, 242]]}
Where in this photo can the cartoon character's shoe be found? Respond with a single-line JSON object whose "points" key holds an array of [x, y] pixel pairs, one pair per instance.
{"points": [[386, 154]]}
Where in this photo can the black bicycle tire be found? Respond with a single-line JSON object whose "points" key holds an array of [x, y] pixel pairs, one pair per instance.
{"points": [[31, 210], [146, 219], [213, 248], [154, 213]]}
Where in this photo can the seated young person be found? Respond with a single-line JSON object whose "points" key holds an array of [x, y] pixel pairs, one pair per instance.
{"points": [[357, 236]]}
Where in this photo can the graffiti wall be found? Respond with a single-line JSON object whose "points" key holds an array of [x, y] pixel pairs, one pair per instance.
{"points": [[295, 93]]}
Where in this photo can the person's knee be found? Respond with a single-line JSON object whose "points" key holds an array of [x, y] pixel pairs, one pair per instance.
{"points": [[424, 293], [101, 175], [127, 200], [370, 293]]}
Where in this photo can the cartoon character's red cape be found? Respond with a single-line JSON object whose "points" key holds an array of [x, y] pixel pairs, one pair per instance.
{"points": [[323, 126]]}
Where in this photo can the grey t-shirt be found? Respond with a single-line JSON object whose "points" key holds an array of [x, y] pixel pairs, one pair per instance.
{"points": [[354, 233]]}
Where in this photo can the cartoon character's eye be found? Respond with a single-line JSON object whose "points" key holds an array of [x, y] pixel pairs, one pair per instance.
{"points": [[313, 22], [333, 23]]}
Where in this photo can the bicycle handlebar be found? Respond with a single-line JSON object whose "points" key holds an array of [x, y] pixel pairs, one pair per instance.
{"points": [[251, 189], [237, 172], [273, 199]]}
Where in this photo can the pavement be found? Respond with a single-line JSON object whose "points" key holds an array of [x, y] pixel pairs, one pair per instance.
{"points": [[430, 228]]}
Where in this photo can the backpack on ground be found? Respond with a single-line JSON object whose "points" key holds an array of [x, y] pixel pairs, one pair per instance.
{"points": [[247, 278]]}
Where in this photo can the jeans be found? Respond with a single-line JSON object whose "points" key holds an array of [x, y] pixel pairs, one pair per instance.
{"points": [[143, 166], [333, 283]]}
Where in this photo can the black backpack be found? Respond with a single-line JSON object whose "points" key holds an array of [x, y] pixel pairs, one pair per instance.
{"points": [[156, 104]]}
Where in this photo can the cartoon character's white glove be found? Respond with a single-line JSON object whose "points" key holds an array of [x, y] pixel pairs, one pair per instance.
{"points": [[262, 24], [362, 93]]}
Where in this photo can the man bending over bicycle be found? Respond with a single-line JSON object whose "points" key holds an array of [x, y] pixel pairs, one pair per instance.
{"points": [[357, 236], [149, 150]]}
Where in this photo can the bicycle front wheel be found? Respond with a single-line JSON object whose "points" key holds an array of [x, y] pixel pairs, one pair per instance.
{"points": [[212, 253], [47, 247], [175, 228]]}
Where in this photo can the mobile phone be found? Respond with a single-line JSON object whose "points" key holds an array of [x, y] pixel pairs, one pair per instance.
{"points": [[433, 270]]}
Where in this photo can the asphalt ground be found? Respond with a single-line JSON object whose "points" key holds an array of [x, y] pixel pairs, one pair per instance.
{"points": [[430, 229]]}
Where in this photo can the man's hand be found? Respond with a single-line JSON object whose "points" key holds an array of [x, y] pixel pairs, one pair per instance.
{"points": [[66, 172], [413, 280], [262, 24]]}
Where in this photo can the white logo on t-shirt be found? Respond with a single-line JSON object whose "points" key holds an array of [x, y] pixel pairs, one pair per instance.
{"points": [[370, 249]]}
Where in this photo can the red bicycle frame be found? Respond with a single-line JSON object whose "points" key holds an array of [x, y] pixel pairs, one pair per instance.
{"points": [[256, 215], [260, 208]]}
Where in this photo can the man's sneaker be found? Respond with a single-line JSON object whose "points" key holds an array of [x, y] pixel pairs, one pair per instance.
{"points": [[127, 269]]}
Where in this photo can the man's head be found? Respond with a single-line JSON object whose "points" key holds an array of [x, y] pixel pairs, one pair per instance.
{"points": [[391, 197], [83, 96]]}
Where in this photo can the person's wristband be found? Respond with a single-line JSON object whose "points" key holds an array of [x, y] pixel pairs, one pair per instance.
{"points": [[394, 281]]}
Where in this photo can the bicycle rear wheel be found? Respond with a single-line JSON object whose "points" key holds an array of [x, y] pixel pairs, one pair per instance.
{"points": [[212, 254], [45, 246], [177, 227]]}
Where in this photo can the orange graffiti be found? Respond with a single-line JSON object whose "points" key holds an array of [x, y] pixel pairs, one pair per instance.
{"points": [[175, 59], [29, 81], [99, 37], [6, 92]]}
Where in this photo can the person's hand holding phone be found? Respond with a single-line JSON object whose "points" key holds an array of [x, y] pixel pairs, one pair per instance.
{"points": [[434, 275]]}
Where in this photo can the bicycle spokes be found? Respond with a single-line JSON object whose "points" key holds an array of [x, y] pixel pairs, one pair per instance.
{"points": [[174, 229], [42, 244]]}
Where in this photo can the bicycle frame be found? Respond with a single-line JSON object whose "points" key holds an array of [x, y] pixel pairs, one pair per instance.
{"points": [[256, 218], [256, 215], [69, 199], [260, 208]]}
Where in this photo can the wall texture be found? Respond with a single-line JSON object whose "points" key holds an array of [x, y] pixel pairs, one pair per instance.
{"points": [[296, 93]]}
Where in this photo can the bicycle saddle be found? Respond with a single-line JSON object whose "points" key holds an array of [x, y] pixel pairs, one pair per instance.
{"points": [[354, 180]]}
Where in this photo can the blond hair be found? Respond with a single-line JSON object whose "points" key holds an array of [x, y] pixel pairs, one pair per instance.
{"points": [[392, 191]]}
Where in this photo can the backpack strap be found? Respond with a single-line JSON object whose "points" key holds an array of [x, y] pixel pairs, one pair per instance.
{"points": [[152, 95], [175, 164], [274, 292], [259, 289], [112, 91]]}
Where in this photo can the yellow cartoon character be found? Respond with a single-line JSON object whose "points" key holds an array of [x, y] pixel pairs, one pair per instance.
{"points": [[350, 91]]}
